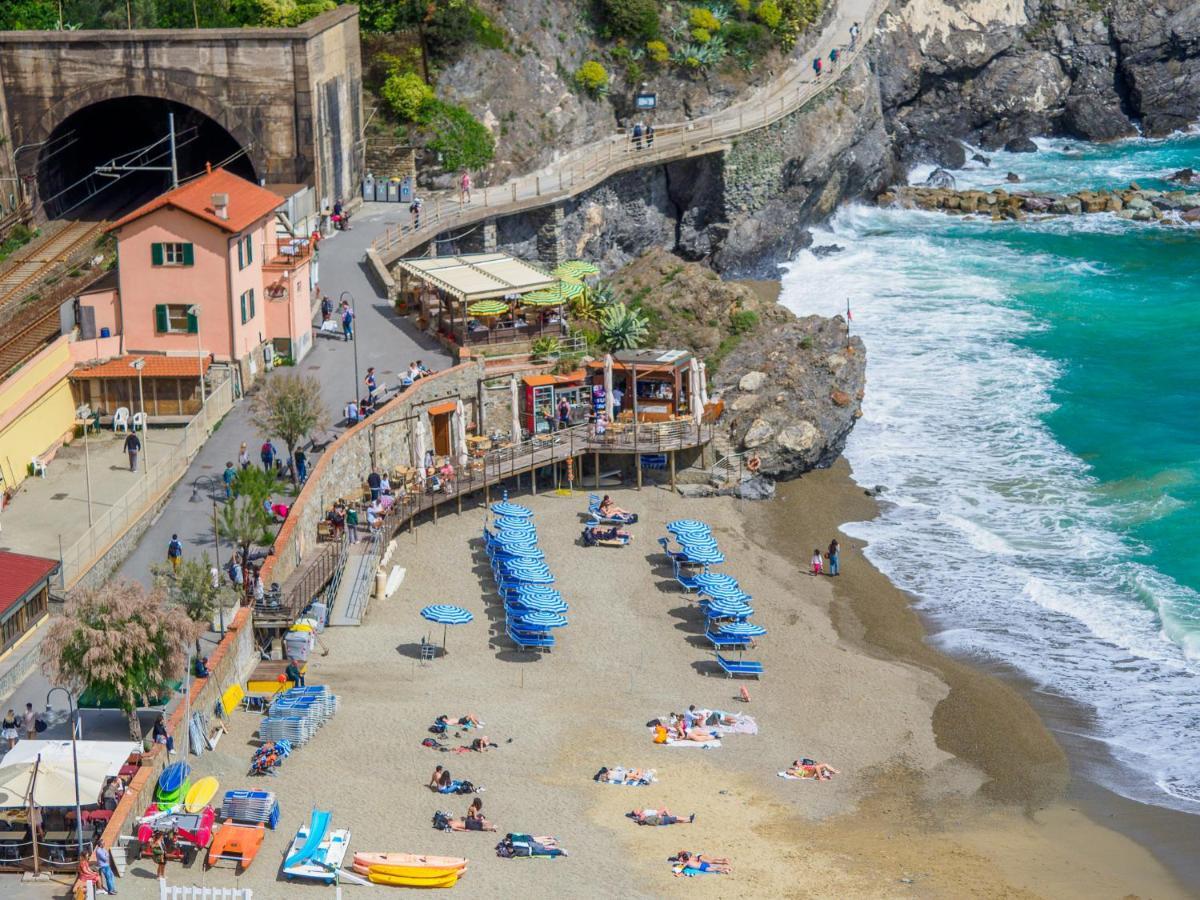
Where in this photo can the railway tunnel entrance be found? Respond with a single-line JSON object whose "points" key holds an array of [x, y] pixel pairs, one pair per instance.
{"points": [[113, 154]]}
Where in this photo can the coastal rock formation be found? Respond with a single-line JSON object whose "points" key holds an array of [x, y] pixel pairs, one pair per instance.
{"points": [[1133, 203], [996, 71], [792, 386]]}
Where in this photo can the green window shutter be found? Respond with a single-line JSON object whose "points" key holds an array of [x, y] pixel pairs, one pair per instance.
{"points": [[251, 293], [249, 250], [193, 325], [161, 323], [243, 309], [156, 254], [189, 256], [241, 256]]}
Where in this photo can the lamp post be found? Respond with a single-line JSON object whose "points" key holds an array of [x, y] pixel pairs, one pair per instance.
{"points": [[209, 483], [194, 312], [74, 763], [137, 365], [354, 319], [87, 468]]}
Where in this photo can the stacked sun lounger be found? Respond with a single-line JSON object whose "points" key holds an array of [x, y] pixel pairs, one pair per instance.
{"points": [[297, 714], [524, 584], [258, 807]]}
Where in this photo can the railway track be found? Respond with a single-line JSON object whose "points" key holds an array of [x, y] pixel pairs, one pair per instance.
{"points": [[30, 266]]}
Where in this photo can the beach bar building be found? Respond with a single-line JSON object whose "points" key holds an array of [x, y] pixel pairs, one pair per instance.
{"points": [[657, 384], [476, 298]]}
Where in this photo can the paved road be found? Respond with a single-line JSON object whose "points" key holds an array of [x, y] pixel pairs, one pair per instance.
{"points": [[384, 340]]}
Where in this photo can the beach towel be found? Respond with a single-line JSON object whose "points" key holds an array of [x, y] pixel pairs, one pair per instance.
{"points": [[703, 745], [621, 777], [793, 777], [742, 724]]}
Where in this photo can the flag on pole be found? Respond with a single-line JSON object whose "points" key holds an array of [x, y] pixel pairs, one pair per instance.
{"points": [[848, 316]]}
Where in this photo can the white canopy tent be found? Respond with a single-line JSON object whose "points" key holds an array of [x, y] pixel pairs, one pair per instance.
{"points": [[112, 754], [54, 785]]}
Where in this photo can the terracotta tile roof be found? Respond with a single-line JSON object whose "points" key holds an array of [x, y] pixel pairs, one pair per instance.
{"points": [[21, 574], [247, 201], [156, 367]]}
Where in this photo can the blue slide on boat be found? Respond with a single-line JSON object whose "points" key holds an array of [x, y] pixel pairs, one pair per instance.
{"points": [[316, 833]]}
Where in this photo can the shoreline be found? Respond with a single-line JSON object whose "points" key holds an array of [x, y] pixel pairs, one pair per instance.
{"points": [[992, 718]]}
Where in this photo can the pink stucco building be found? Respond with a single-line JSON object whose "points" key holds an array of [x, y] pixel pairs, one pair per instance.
{"points": [[206, 270]]}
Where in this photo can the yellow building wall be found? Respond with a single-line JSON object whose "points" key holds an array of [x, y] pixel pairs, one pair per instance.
{"points": [[37, 410]]}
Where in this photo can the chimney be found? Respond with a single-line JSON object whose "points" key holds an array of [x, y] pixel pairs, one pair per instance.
{"points": [[220, 204]]}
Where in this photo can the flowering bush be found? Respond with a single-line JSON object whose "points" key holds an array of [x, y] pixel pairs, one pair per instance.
{"points": [[592, 77], [657, 51]]}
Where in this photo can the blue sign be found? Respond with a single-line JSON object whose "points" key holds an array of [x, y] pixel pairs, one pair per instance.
{"points": [[647, 101]]}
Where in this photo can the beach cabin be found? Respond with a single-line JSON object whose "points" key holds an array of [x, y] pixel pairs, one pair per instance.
{"points": [[655, 383], [24, 595]]}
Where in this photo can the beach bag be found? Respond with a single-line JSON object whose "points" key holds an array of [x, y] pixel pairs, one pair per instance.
{"points": [[441, 821], [39, 725], [437, 728], [465, 788]]}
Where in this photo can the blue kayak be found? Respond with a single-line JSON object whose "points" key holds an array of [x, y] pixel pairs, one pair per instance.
{"points": [[173, 777]]}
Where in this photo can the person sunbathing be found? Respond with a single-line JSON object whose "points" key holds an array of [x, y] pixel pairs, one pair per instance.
{"points": [[620, 775], [438, 777], [659, 817], [473, 820], [483, 743], [699, 860], [682, 733], [610, 510], [808, 768]]}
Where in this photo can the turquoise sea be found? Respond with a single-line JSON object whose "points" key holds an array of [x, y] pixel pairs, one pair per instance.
{"points": [[1033, 411]]}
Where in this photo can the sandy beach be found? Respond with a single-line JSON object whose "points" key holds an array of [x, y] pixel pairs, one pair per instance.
{"points": [[949, 780]]}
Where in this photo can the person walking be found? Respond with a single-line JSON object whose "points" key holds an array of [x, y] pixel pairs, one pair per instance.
{"points": [[228, 476], [564, 413], [414, 210], [375, 483], [833, 58], [834, 556], [326, 309], [817, 66], [175, 553], [133, 446], [352, 523], [816, 562], [371, 383], [105, 868], [649, 136], [267, 454], [244, 457], [8, 729], [158, 852], [854, 32], [637, 135], [301, 465], [347, 322], [30, 721], [464, 188]]}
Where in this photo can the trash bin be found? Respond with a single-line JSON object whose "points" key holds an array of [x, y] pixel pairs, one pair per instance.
{"points": [[406, 189], [393, 190], [368, 188]]}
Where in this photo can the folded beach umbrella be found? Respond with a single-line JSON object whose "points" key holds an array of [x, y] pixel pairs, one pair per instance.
{"points": [[717, 580], [743, 629], [540, 619], [444, 614]]}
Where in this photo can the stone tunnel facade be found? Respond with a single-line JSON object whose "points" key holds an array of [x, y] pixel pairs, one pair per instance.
{"points": [[290, 97]]}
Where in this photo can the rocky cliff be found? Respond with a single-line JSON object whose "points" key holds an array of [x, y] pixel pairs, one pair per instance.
{"points": [[792, 386], [999, 71]]}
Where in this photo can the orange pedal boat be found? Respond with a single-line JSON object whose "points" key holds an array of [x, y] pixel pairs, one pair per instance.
{"points": [[235, 843]]}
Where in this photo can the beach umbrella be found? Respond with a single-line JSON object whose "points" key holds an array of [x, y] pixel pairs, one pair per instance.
{"points": [[528, 575], [690, 543], [688, 525], [460, 421], [743, 629], [716, 580], [608, 386], [694, 390], [542, 604], [514, 401], [549, 297], [520, 551], [505, 522], [703, 556], [583, 267], [570, 289], [725, 593], [703, 384], [536, 590], [444, 614], [540, 619], [511, 510], [722, 609], [486, 309]]}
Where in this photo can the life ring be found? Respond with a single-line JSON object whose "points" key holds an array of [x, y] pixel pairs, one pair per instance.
{"points": [[753, 464]]}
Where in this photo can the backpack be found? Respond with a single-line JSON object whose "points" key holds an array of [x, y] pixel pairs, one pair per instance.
{"points": [[267, 450], [441, 821], [436, 727], [465, 788]]}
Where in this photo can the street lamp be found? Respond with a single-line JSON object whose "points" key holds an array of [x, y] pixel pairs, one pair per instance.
{"points": [[74, 763], [194, 312], [209, 483], [137, 365], [354, 320]]}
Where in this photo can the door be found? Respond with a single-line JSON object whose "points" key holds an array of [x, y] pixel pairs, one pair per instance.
{"points": [[441, 434]]}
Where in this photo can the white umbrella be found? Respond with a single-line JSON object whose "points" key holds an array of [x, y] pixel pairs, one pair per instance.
{"points": [[704, 384], [694, 390], [421, 444], [55, 785], [516, 412], [608, 378], [460, 419]]}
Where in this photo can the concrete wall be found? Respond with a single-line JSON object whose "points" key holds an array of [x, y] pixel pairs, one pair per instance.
{"points": [[36, 409], [342, 469], [290, 96]]}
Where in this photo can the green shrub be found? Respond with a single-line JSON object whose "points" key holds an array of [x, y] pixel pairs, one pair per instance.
{"points": [[592, 77], [769, 14], [658, 52], [749, 38], [407, 96], [487, 33], [742, 5], [629, 18], [701, 35], [700, 17], [743, 320], [544, 348], [462, 140]]}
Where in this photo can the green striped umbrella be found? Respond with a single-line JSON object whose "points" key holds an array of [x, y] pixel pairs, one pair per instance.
{"points": [[487, 308], [543, 298], [576, 268], [570, 289]]}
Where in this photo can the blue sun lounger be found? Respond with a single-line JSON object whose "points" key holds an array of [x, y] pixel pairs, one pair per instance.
{"points": [[687, 582], [733, 667], [529, 640], [721, 641]]}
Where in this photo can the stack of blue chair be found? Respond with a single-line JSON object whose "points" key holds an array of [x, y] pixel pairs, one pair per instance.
{"points": [[295, 715], [524, 584]]}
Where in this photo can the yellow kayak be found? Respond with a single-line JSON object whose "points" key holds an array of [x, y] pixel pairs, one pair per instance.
{"points": [[408, 860], [439, 880], [200, 793]]}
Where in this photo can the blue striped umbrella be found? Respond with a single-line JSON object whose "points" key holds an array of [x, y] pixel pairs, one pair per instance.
{"points": [[687, 525], [540, 619], [542, 604], [743, 629], [515, 510], [528, 575], [725, 594], [508, 523], [703, 556], [445, 614], [696, 540], [522, 551], [536, 590], [729, 610], [716, 580]]}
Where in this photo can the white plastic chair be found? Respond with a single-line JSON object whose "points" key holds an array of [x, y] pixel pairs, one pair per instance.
{"points": [[139, 421], [39, 468], [121, 419]]}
